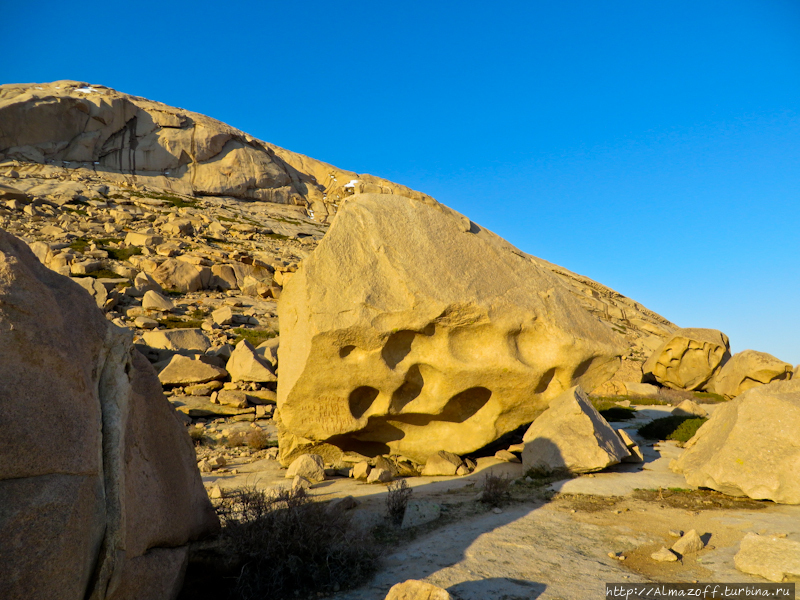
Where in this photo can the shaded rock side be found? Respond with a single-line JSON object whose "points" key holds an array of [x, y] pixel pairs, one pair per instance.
{"points": [[166, 147], [687, 359], [96, 472], [749, 446], [746, 370], [383, 352], [571, 436]]}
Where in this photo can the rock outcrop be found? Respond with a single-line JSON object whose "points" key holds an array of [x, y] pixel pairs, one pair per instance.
{"points": [[571, 436], [99, 491], [749, 446], [101, 129], [381, 350], [688, 359], [746, 370]]}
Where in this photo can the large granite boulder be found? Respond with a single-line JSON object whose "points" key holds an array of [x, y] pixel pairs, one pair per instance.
{"points": [[687, 359], [99, 490], [571, 436], [750, 446], [746, 370], [412, 330]]}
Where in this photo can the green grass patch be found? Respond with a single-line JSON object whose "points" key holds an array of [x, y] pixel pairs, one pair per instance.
{"points": [[123, 253], [254, 336], [611, 411], [79, 244], [176, 323], [104, 274], [709, 397], [680, 429], [173, 293], [276, 236]]}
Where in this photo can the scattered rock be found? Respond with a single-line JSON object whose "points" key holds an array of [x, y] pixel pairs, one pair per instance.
{"points": [[442, 463], [300, 482], [152, 300], [177, 340], [361, 470], [378, 475], [309, 466], [182, 370], [664, 555], [245, 364], [571, 436], [689, 543], [507, 456], [770, 557]]}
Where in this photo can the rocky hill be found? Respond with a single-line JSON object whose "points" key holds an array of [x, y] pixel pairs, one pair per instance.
{"points": [[87, 165]]}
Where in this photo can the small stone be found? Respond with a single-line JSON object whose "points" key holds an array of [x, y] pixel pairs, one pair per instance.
{"points": [[664, 555], [310, 466], [689, 543], [380, 476], [361, 470], [496, 510], [215, 492], [300, 482], [676, 533], [507, 456]]}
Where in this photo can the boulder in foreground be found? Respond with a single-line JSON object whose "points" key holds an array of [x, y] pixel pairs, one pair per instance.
{"points": [[750, 446], [411, 330], [571, 436], [769, 557], [99, 490]]}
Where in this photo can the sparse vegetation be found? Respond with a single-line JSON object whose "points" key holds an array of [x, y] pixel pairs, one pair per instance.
{"points": [[177, 323], [197, 434], [496, 490], [286, 545], [123, 253], [398, 494], [697, 499], [258, 440], [173, 293], [680, 429], [102, 274], [254, 336], [79, 244], [236, 440]]}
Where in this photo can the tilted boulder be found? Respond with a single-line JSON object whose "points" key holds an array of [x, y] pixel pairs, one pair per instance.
{"points": [[412, 329], [746, 370], [688, 358], [750, 446], [99, 490], [571, 436]]}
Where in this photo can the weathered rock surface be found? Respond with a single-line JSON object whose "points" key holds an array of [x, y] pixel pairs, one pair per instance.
{"points": [[99, 492], [746, 370], [310, 466], [769, 557], [749, 446], [117, 133], [417, 590], [419, 356], [571, 436], [245, 364], [688, 358]]}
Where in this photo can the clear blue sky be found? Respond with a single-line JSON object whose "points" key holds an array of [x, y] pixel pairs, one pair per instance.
{"points": [[651, 145]]}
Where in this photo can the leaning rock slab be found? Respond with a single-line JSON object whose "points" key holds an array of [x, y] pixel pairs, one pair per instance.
{"points": [[571, 436], [749, 446], [769, 557], [99, 490], [384, 351], [688, 358], [182, 370], [245, 364], [746, 370]]}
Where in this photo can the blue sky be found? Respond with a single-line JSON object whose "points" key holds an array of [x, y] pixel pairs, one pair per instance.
{"points": [[653, 146]]}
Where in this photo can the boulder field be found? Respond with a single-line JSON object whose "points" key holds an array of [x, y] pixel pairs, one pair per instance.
{"points": [[99, 489]]}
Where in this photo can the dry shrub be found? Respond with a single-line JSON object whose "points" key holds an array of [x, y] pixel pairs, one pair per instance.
{"points": [[197, 434], [257, 440], [287, 545], [236, 440], [496, 490], [397, 497]]}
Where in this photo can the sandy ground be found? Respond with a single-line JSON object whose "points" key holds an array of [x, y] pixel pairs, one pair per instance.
{"points": [[554, 541]]}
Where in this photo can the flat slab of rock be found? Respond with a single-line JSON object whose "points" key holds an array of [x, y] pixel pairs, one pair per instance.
{"points": [[750, 446], [177, 339], [769, 557], [571, 436], [199, 407], [182, 370], [688, 358]]}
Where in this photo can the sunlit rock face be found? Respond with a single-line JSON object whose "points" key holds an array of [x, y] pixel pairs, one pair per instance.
{"points": [[411, 330], [688, 359]]}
